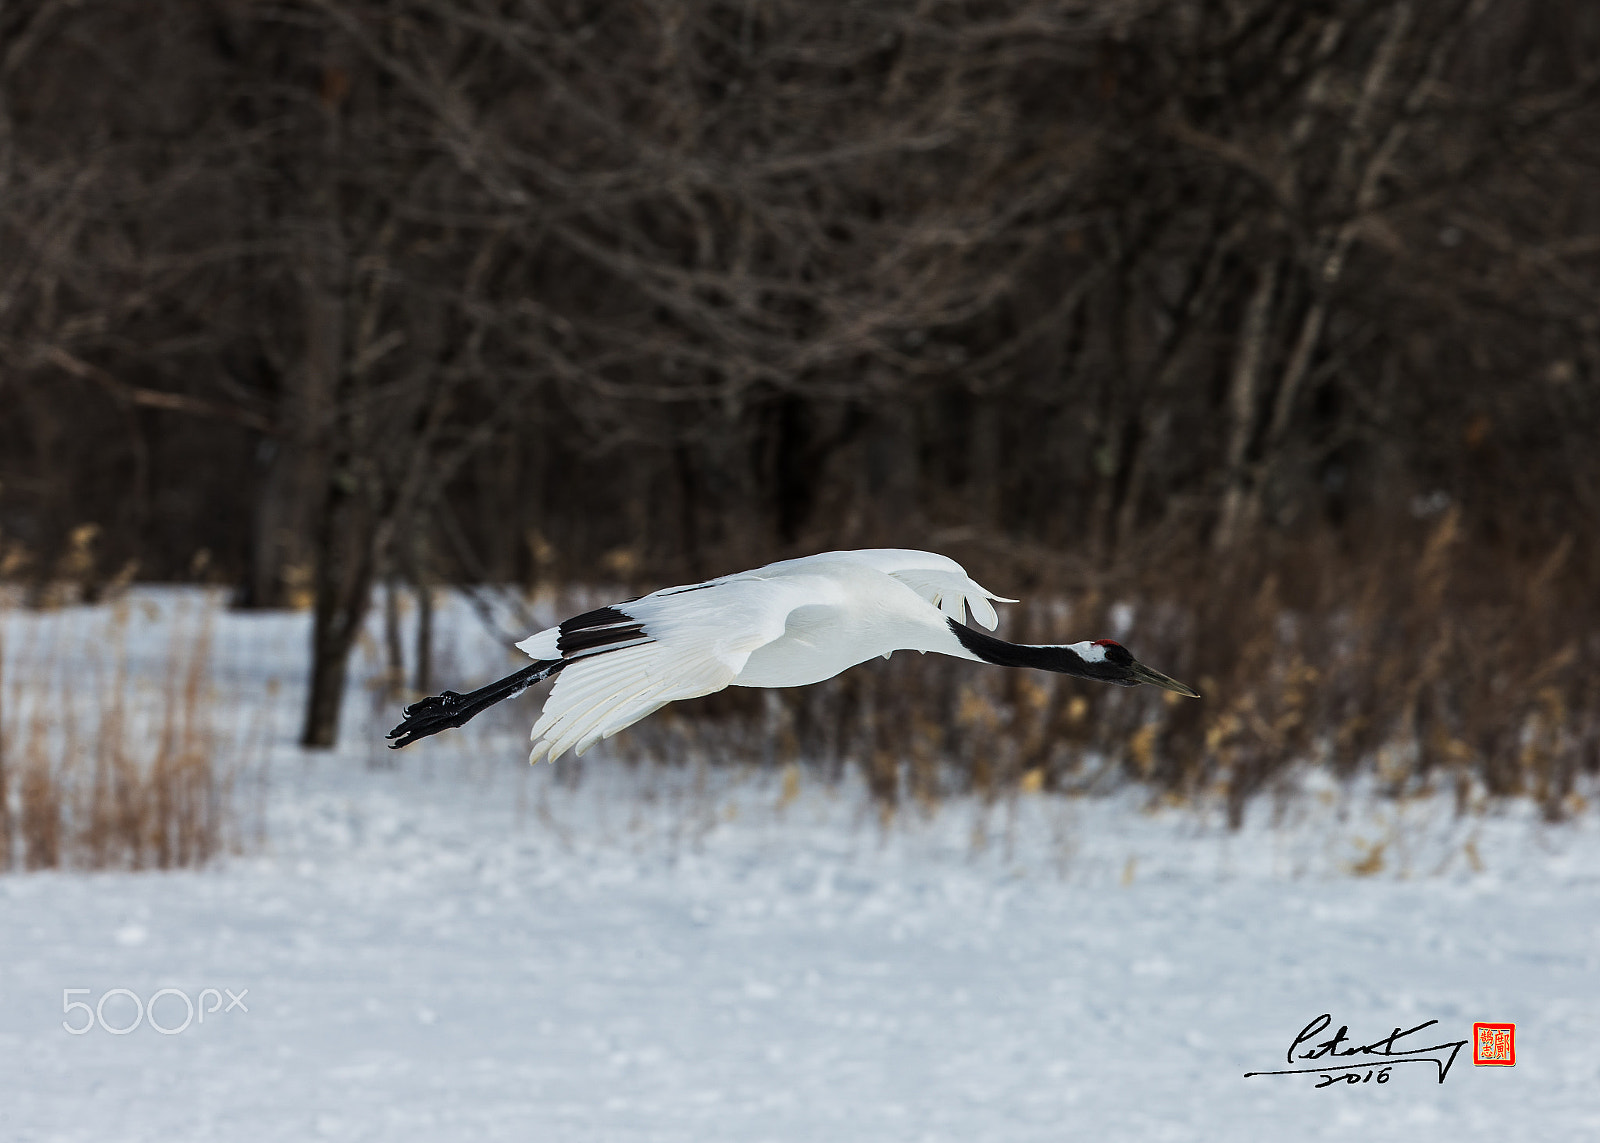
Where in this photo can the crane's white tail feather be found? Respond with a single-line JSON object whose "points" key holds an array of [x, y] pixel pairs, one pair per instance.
{"points": [[542, 644], [952, 592]]}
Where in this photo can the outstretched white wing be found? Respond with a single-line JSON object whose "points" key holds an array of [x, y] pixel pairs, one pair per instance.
{"points": [[626, 661], [938, 579], [601, 694], [698, 641]]}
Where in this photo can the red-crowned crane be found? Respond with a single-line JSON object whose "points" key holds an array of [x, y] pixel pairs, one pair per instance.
{"points": [[784, 625]]}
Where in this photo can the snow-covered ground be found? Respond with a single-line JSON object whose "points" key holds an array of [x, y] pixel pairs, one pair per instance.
{"points": [[461, 947]]}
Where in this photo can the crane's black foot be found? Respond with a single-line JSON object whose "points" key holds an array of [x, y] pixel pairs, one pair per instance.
{"points": [[443, 712], [430, 716]]}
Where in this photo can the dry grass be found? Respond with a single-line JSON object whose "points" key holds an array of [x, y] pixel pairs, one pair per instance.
{"points": [[102, 770], [1439, 665]]}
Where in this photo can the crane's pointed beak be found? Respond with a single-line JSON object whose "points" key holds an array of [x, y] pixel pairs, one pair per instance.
{"points": [[1143, 674]]}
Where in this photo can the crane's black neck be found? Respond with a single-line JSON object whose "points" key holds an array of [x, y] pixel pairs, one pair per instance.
{"points": [[1062, 660]]}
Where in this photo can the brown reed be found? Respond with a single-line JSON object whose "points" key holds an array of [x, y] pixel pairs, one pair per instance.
{"points": [[108, 772]]}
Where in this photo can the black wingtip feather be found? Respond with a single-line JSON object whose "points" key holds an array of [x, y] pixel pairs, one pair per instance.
{"points": [[602, 627]]}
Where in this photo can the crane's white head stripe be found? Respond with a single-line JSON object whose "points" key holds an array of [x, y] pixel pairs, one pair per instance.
{"points": [[1091, 652]]}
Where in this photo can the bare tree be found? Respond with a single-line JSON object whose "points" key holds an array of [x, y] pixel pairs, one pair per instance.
{"points": [[644, 290]]}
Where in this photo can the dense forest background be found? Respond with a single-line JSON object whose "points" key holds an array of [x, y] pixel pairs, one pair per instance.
{"points": [[1282, 319]]}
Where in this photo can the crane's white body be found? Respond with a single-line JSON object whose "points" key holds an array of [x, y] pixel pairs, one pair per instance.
{"points": [[784, 625]]}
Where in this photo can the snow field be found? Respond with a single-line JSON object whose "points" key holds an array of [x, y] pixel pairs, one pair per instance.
{"points": [[458, 946]]}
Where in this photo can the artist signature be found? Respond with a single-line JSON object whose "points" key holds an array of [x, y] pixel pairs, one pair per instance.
{"points": [[1373, 1060]]}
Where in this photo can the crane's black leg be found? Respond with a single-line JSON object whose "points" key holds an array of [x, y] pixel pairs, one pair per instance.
{"points": [[442, 712]]}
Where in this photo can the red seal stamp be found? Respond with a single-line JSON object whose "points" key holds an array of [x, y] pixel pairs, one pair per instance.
{"points": [[1494, 1044]]}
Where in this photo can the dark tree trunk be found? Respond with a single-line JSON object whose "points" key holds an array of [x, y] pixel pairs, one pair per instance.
{"points": [[344, 579], [423, 683], [793, 468], [393, 650], [285, 502], [688, 488]]}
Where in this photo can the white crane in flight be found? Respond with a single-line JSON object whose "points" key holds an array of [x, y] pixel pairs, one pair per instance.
{"points": [[784, 625]]}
